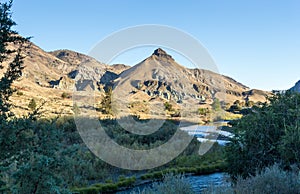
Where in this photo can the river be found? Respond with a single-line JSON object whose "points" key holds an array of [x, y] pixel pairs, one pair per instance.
{"points": [[208, 133], [198, 183]]}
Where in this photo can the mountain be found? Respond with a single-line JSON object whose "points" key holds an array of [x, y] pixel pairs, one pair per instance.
{"points": [[47, 75], [296, 87], [160, 75], [52, 77], [159, 78]]}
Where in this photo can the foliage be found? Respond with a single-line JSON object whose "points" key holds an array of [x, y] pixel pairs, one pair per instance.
{"points": [[106, 187], [76, 109], [19, 93], [32, 157], [171, 184], [48, 156], [106, 103], [269, 134], [32, 104], [203, 111], [12, 56], [270, 180], [235, 108], [216, 105], [65, 95], [168, 106]]}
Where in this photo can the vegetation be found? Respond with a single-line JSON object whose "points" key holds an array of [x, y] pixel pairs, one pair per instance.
{"points": [[106, 103], [269, 134], [32, 158], [65, 95], [216, 105], [32, 104], [48, 156], [13, 56], [271, 180], [76, 109], [106, 187], [168, 106], [203, 111], [19, 93], [170, 184]]}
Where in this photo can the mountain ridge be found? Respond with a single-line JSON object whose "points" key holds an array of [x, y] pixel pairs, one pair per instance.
{"points": [[296, 87], [48, 75]]}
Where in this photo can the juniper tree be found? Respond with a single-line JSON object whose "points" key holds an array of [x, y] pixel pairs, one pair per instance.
{"points": [[12, 50]]}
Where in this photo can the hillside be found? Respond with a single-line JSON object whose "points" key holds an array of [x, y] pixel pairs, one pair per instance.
{"points": [[159, 79], [296, 87], [140, 90]]}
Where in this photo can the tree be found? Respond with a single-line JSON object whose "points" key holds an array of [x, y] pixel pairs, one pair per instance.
{"points": [[12, 56], [106, 103], [31, 160], [267, 135], [216, 105]]}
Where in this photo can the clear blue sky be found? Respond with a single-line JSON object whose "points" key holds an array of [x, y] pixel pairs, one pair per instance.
{"points": [[256, 42]]}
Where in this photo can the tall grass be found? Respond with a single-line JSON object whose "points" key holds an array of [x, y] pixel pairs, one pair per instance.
{"points": [[171, 184], [271, 180]]}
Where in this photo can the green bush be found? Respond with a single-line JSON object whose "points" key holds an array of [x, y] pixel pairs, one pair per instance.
{"points": [[168, 106], [203, 111], [270, 180], [216, 105], [108, 181], [87, 190], [32, 104], [108, 187], [19, 93], [269, 134], [65, 95]]}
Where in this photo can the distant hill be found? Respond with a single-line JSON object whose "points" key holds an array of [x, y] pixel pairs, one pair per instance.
{"points": [[161, 76], [51, 77], [296, 87]]}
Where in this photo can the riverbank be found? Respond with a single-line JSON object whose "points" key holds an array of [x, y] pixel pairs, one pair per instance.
{"points": [[128, 183]]}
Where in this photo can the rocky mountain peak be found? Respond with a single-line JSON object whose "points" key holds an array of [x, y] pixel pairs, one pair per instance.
{"points": [[161, 54]]}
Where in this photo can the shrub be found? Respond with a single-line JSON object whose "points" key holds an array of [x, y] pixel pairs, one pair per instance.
{"points": [[267, 135], [216, 105], [203, 111], [108, 181], [32, 104], [270, 180], [171, 184], [88, 190], [168, 106], [76, 109], [19, 93], [65, 95], [106, 103]]}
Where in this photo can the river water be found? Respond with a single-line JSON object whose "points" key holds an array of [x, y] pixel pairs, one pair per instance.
{"points": [[198, 183], [208, 133]]}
